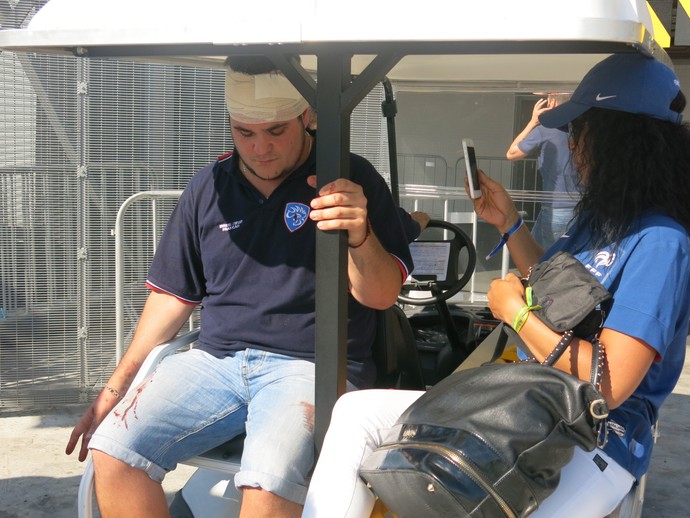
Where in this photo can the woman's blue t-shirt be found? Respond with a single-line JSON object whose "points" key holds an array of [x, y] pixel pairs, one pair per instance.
{"points": [[648, 274]]}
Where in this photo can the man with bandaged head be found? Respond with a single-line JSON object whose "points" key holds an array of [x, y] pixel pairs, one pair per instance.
{"points": [[241, 244]]}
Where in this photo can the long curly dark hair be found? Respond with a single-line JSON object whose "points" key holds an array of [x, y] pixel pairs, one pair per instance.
{"points": [[635, 164]]}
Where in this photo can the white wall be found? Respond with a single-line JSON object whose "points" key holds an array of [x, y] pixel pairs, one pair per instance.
{"points": [[435, 123]]}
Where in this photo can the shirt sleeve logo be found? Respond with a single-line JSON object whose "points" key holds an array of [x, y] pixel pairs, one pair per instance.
{"points": [[296, 215]]}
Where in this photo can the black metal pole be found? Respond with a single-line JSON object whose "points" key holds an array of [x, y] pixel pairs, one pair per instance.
{"points": [[389, 108]]}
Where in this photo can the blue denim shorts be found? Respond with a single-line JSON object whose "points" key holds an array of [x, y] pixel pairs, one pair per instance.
{"points": [[551, 224], [194, 402]]}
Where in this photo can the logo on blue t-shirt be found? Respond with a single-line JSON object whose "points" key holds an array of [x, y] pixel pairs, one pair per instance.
{"points": [[604, 258], [296, 215]]}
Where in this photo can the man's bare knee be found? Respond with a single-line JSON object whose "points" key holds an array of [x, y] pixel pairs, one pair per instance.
{"points": [[122, 490], [258, 503], [106, 466], [111, 475]]}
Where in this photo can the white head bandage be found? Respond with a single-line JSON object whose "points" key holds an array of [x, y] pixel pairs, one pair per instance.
{"points": [[254, 99]]}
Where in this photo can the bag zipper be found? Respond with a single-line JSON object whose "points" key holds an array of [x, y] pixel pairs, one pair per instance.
{"points": [[463, 465]]}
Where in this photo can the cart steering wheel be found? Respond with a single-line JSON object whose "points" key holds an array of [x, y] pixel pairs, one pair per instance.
{"points": [[444, 289]]}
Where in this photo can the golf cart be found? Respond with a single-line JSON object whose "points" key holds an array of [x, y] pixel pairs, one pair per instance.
{"points": [[469, 45]]}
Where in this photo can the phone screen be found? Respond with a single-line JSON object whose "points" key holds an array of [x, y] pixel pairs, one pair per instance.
{"points": [[473, 166]]}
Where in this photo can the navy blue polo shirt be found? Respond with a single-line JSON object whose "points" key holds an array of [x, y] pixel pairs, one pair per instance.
{"points": [[250, 261]]}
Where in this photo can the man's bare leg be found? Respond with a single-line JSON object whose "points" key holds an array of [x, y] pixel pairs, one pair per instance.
{"points": [[257, 503], [122, 490]]}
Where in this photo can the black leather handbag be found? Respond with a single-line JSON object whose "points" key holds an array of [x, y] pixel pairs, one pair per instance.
{"points": [[490, 441]]}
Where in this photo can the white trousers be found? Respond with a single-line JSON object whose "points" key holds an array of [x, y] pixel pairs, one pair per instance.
{"points": [[361, 421]]}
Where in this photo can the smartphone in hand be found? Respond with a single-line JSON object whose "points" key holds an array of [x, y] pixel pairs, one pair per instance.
{"points": [[471, 168]]}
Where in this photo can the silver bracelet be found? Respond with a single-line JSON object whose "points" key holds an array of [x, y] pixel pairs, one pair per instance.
{"points": [[114, 392]]}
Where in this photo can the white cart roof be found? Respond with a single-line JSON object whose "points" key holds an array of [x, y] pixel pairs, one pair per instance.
{"points": [[497, 43]]}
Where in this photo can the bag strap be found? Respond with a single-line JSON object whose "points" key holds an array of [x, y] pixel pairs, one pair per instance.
{"points": [[598, 408], [560, 348], [597, 365], [491, 348], [494, 344], [598, 356]]}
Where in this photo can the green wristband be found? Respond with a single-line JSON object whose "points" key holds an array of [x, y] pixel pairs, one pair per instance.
{"points": [[523, 312]]}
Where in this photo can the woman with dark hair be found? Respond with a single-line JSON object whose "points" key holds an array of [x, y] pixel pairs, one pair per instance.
{"points": [[635, 158], [632, 153]]}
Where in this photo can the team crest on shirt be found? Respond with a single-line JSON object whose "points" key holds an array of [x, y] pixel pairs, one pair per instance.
{"points": [[296, 215], [604, 258]]}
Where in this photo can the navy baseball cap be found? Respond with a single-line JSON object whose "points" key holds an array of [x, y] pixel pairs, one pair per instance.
{"points": [[632, 83]]}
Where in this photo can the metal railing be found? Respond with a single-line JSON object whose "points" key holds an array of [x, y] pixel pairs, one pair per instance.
{"points": [[520, 178], [118, 231]]}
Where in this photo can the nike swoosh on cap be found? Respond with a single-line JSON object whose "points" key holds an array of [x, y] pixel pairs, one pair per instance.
{"points": [[600, 97]]}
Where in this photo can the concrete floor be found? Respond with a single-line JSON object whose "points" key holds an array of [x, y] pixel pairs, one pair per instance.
{"points": [[38, 480]]}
